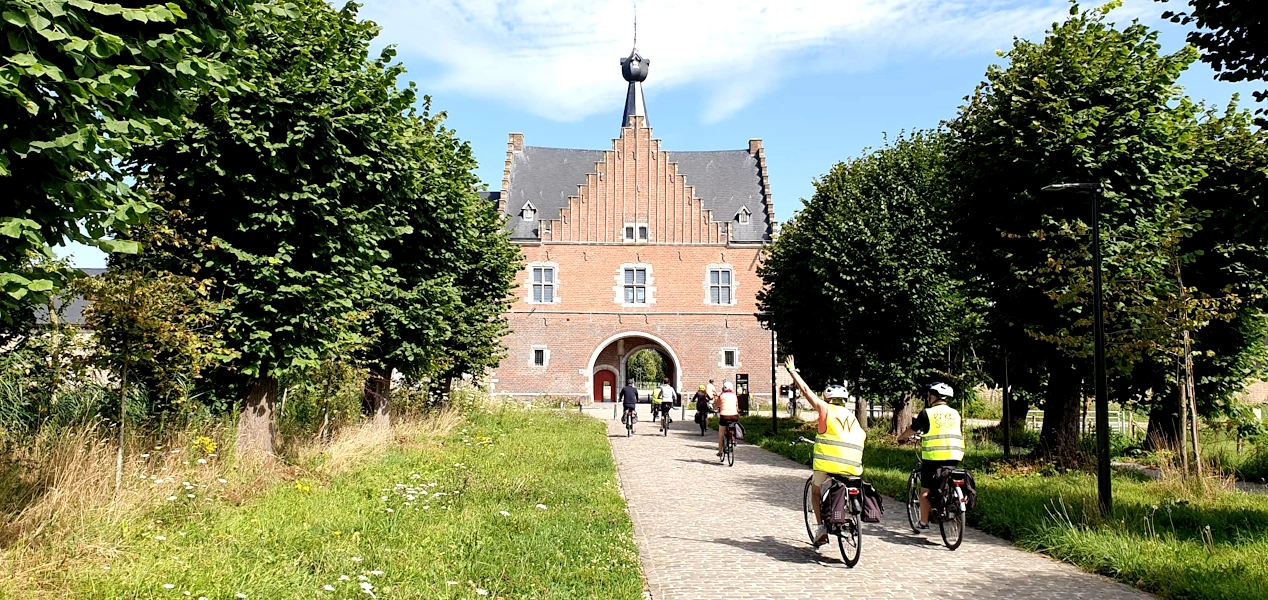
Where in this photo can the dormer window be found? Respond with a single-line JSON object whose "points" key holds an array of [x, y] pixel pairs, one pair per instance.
{"points": [[743, 215], [528, 212]]}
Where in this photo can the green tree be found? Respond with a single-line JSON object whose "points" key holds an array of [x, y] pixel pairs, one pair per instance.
{"points": [[1089, 103], [81, 83], [156, 323], [448, 273], [861, 284], [646, 366], [1232, 36], [290, 186]]}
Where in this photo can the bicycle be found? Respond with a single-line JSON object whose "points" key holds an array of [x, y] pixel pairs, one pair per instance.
{"points": [[628, 420], [850, 533], [951, 517], [665, 420], [703, 420], [728, 445]]}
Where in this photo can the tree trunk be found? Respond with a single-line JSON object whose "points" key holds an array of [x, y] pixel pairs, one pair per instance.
{"points": [[257, 427], [1163, 431], [1017, 407], [1060, 434], [902, 414], [1191, 393], [860, 411], [378, 395], [123, 411]]}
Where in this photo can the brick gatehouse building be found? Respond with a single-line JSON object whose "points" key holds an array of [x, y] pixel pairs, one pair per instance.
{"points": [[634, 247]]}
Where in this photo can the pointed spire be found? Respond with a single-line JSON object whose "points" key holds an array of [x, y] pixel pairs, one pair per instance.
{"points": [[634, 70]]}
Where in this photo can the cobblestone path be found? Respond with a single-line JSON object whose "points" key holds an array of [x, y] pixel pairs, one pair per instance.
{"points": [[677, 492]]}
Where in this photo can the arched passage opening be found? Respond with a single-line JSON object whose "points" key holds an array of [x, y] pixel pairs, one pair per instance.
{"points": [[609, 364]]}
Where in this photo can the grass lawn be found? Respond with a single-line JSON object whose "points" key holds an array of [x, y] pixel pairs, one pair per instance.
{"points": [[1154, 540], [508, 504]]}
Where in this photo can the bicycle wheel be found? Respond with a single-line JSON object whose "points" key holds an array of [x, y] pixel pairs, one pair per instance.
{"points": [[730, 451], [913, 500], [808, 507], [629, 426], [664, 425], [850, 541], [952, 526]]}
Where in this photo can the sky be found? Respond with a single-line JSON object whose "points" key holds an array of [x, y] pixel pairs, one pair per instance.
{"points": [[819, 81]]}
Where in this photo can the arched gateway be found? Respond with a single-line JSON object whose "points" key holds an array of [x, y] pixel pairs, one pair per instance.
{"points": [[633, 246], [608, 363]]}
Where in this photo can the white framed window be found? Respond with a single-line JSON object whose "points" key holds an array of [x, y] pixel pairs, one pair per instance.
{"points": [[528, 212], [635, 232], [539, 356], [729, 358], [719, 285], [634, 285], [542, 283], [743, 215]]}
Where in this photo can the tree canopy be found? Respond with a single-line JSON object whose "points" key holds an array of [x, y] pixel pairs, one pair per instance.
{"points": [[81, 84], [1232, 35]]}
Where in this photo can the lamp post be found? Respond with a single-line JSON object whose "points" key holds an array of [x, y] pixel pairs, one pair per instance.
{"points": [[1098, 325], [774, 389]]}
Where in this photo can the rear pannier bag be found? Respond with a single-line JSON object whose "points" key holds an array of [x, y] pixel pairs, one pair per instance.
{"points": [[873, 506]]}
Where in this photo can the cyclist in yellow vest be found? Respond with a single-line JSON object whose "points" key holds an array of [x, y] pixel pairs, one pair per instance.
{"points": [[839, 444], [942, 444]]}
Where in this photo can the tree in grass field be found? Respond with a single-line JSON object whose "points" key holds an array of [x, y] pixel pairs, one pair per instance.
{"points": [[862, 284], [290, 186], [81, 84], [1090, 103], [447, 275]]}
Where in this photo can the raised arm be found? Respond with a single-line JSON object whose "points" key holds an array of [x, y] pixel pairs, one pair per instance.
{"points": [[814, 399]]}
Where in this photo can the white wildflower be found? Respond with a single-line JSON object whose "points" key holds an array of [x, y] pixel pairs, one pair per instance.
{"points": [[222, 480], [161, 538], [328, 587], [202, 461], [504, 513], [367, 586], [356, 559], [376, 572], [171, 498], [239, 595], [344, 578], [541, 506], [168, 586], [482, 592]]}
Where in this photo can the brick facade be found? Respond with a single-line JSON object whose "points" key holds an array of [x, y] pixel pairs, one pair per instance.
{"points": [[588, 330]]}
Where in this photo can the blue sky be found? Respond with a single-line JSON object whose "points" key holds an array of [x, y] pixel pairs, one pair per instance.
{"points": [[817, 80]]}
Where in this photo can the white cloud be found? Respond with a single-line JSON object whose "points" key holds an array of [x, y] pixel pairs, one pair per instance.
{"points": [[559, 58]]}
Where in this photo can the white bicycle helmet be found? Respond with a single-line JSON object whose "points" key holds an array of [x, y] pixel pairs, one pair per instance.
{"points": [[836, 392], [942, 390], [726, 386]]}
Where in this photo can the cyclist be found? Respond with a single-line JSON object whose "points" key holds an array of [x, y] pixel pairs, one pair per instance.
{"points": [[629, 400], [702, 399], [942, 444], [839, 444], [728, 408], [712, 390], [667, 395]]}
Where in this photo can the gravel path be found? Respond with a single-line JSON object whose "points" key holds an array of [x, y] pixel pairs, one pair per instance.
{"points": [[705, 530]]}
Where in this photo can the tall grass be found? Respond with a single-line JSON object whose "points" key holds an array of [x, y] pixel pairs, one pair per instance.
{"points": [[497, 499]]}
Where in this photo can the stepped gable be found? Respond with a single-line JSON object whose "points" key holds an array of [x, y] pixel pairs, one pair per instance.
{"points": [[550, 180]]}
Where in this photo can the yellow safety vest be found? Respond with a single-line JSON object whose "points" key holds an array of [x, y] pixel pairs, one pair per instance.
{"points": [[656, 395], [944, 440], [840, 450]]}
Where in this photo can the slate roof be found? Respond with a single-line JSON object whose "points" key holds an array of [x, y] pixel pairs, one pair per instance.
{"points": [[724, 180], [73, 313]]}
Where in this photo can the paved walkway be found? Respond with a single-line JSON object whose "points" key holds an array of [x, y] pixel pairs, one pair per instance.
{"points": [[675, 489]]}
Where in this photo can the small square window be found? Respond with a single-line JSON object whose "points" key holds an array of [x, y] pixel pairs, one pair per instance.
{"points": [[728, 358], [642, 233], [539, 357], [629, 233]]}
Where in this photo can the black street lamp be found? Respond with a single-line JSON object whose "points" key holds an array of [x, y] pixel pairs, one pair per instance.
{"points": [[1098, 324]]}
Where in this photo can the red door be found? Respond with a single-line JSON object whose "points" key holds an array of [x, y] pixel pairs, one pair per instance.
{"points": [[605, 386]]}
